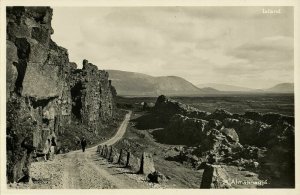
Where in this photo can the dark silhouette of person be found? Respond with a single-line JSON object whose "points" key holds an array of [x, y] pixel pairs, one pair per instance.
{"points": [[83, 144]]}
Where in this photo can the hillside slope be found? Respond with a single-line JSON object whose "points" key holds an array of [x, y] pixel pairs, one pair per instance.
{"points": [[137, 84], [282, 88]]}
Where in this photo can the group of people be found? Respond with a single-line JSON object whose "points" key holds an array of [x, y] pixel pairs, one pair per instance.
{"points": [[49, 147]]}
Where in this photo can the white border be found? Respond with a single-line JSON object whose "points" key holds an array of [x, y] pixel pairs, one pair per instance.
{"points": [[87, 3]]}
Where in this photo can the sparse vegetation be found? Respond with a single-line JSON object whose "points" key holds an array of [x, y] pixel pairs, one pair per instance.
{"points": [[70, 139]]}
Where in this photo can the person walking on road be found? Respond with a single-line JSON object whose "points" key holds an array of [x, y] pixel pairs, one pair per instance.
{"points": [[83, 144]]}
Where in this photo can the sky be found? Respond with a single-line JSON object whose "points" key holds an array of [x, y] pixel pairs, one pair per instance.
{"points": [[240, 46]]}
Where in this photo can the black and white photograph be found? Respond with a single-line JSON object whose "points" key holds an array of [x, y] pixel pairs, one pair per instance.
{"points": [[149, 97]]}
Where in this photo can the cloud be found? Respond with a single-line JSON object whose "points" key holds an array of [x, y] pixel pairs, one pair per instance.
{"points": [[275, 52], [208, 43], [261, 63], [201, 44], [273, 48]]}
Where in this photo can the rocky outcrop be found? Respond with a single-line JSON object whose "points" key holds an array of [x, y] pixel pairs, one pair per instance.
{"points": [[278, 166], [99, 149], [37, 95], [184, 130], [194, 132], [220, 114], [259, 142], [92, 95], [269, 118], [40, 83], [167, 108]]}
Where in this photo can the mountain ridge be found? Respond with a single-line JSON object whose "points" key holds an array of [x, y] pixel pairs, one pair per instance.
{"points": [[281, 88], [278, 88], [139, 84]]}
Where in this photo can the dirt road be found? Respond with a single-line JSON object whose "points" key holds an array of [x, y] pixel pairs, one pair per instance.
{"points": [[82, 170], [86, 170]]}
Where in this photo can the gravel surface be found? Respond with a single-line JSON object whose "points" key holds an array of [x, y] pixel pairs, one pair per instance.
{"points": [[85, 170]]}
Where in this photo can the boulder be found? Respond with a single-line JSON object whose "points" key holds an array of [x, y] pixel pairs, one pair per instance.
{"points": [[102, 151], [99, 149], [134, 163], [109, 150], [230, 134], [114, 155], [156, 177], [123, 157], [105, 151], [215, 176], [147, 164], [128, 159]]}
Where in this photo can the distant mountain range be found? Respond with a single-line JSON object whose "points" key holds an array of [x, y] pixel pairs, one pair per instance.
{"points": [[224, 87], [138, 84], [279, 88]]}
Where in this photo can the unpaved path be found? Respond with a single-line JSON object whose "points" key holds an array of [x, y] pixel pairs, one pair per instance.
{"points": [[82, 170], [86, 170]]}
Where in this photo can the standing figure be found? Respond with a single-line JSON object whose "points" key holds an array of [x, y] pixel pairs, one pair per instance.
{"points": [[83, 144]]}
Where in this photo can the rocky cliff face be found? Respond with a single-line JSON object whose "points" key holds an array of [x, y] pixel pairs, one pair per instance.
{"points": [[42, 89], [92, 95]]}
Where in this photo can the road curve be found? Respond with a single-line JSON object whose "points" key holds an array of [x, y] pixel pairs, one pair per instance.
{"points": [[81, 171], [120, 133]]}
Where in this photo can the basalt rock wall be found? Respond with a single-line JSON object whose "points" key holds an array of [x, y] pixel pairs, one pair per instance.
{"points": [[40, 84], [92, 95]]}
